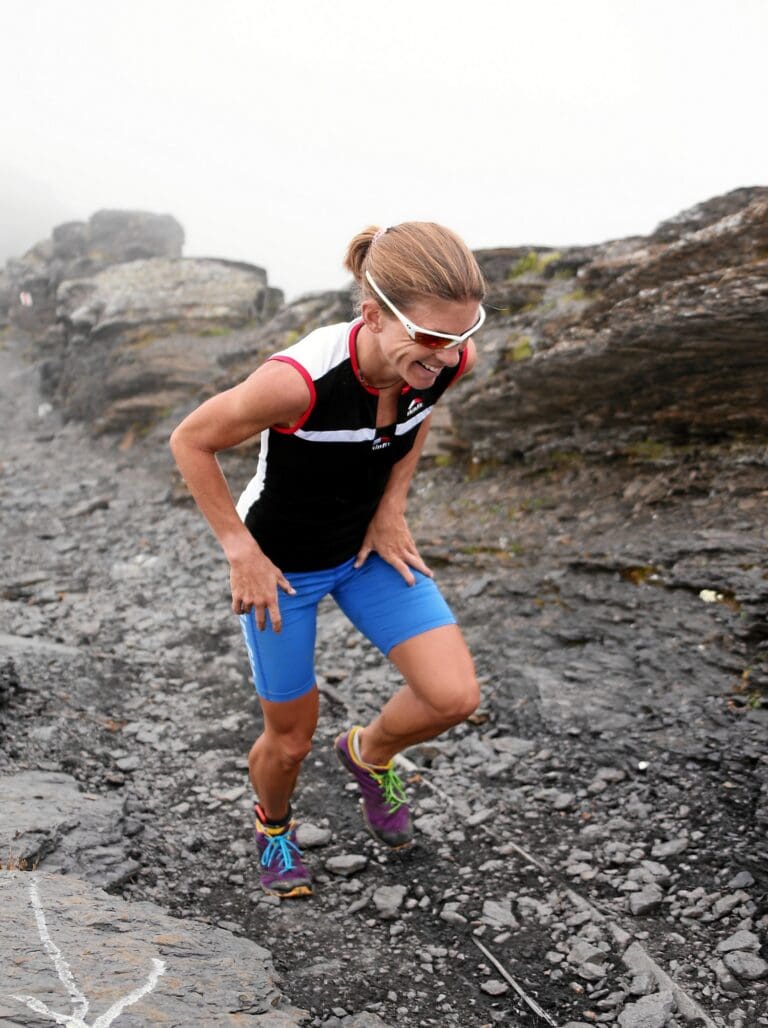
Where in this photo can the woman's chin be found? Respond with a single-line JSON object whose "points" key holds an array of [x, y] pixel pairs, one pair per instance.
{"points": [[419, 377]]}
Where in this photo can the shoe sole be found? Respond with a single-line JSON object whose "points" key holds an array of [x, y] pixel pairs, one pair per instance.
{"points": [[371, 831], [297, 890]]}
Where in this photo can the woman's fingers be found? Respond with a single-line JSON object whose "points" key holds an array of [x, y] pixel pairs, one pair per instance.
{"points": [[286, 586], [258, 593], [363, 555], [260, 616], [400, 565], [274, 616], [415, 560], [408, 558]]}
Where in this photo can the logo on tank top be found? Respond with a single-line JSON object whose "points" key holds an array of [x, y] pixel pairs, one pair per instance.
{"points": [[381, 442], [415, 405]]}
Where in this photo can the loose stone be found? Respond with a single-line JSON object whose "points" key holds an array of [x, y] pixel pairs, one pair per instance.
{"points": [[346, 863], [646, 900], [649, 1012], [671, 848], [494, 987], [746, 966], [388, 900], [499, 914], [310, 836], [742, 880], [739, 940]]}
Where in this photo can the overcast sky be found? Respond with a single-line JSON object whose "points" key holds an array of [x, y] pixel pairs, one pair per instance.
{"points": [[274, 131]]}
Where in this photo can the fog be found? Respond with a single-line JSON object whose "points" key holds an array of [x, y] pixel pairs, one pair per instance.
{"points": [[274, 132]]}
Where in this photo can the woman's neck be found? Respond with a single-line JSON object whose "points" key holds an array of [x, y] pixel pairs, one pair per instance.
{"points": [[373, 371]]}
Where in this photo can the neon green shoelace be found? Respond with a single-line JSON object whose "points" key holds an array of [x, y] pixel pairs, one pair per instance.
{"points": [[392, 787]]}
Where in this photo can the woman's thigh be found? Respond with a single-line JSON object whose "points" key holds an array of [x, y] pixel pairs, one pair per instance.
{"points": [[282, 663], [387, 610], [439, 669]]}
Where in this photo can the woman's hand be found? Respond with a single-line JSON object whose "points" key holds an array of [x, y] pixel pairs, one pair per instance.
{"points": [[388, 534], [254, 581]]}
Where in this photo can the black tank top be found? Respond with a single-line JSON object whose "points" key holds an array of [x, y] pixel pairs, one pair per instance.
{"points": [[318, 483]]}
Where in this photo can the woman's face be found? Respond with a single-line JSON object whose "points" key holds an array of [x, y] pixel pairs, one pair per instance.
{"points": [[420, 365]]}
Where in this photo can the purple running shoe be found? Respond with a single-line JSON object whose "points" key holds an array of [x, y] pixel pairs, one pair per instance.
{"points": [[382, 795], [282, 872]]}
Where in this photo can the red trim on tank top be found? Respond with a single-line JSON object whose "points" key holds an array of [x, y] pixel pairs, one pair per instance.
{"points": [[460, 368], [312, 393]]}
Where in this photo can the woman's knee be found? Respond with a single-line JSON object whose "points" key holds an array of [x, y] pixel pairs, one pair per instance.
{"points": [[287, 749], [457, 704]]}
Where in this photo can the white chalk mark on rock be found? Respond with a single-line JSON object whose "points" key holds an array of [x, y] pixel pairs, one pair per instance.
{"points": [[79, 1001], [104, 1020]]}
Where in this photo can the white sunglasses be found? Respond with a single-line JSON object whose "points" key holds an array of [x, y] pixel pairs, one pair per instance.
{"points": [[424, 336]]}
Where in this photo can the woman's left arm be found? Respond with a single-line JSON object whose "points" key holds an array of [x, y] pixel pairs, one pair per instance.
{"points": [[388, 533]]}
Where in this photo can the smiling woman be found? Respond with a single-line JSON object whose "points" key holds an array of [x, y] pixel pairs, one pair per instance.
{"points": [[343, 415]]}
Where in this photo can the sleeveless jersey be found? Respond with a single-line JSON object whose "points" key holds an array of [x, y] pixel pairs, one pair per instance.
{"points": [[318, 483]]}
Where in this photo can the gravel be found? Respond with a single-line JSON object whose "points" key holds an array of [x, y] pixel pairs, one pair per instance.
{"points": [[599, 824]]}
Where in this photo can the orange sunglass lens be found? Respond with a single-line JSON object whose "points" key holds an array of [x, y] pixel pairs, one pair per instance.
{"points": [[432, 342]]}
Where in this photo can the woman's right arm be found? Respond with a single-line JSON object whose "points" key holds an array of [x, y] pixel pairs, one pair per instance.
{"points": [[276, 394]]}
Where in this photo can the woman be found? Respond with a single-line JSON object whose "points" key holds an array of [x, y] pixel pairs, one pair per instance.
{"points": [[343, 415]]}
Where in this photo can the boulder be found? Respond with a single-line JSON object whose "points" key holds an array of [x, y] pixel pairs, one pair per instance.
{"points": [[145, 297], [79, 248], [113, 237], [142, 337]]}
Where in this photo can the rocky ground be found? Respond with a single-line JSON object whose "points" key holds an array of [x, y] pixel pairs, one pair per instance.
{"points": [[591, 843]]}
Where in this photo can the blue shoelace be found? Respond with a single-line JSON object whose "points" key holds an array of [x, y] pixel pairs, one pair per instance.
{"points": [[280, 847]]}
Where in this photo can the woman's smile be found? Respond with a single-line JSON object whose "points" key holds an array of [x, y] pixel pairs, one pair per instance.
{"points": [[432, 369]]}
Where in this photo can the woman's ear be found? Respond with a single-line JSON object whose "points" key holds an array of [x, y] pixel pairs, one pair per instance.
{"points": [[372, 316]]}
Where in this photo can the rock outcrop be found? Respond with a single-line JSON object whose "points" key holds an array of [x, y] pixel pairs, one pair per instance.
{"points": [[47, 822], [126, 327], [69, 948], [77, 249], [656, 339], [136, 339], [644, 340]]}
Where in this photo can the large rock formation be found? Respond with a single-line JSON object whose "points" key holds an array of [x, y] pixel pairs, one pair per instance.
{"points": [[47, 822], [127, 328], [658, 338], [80, 248], [647, 339], [136, 339]]}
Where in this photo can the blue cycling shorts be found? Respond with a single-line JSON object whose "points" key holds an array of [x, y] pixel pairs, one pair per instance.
{"points": [[375, 598]]}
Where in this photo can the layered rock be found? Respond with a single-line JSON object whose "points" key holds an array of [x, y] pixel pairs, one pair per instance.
{"points": [[79, 248], [138, 338], [127, 327], [75, 955], [643, 339], [47, 822]]}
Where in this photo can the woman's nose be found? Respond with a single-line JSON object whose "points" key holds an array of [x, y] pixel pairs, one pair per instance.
{"points": [[450, 357]]}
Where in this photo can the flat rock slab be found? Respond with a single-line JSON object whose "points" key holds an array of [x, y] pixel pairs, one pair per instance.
{"points": [[47, 822], [71, 954]]}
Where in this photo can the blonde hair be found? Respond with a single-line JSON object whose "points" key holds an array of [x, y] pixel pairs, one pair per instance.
{"points": [[414, 260]]}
